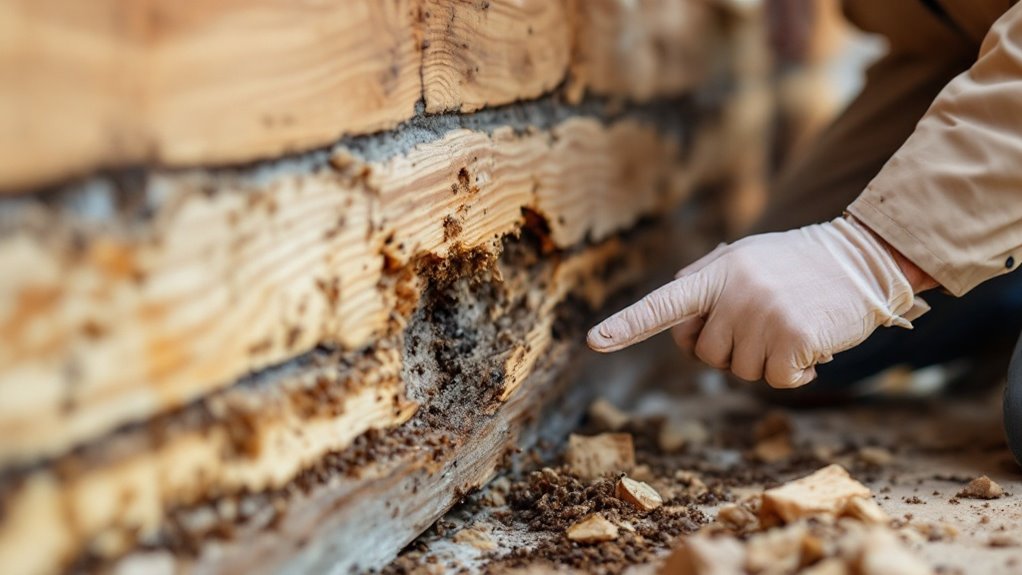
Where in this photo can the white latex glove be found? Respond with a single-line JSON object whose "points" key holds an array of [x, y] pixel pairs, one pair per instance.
{"points": [[774, 305]]}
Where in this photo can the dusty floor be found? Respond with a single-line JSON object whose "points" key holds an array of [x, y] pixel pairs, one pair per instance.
{"points": [[915, 455]]}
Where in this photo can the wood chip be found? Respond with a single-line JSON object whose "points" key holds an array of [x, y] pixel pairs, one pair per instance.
{"points": [[703, 555], [831, 566], [884, 554], [590, 457], [773, 424], [866, 510], [773, 436], [877, 456], [606, 416], [477, 536], [639, 494], [827, 491], [776, 550], [736, 517], [674, 435], [593, 529], [982, 488], [774, 449]]}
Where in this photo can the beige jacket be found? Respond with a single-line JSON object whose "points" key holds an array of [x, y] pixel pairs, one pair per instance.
{"points": [[950, 198]]}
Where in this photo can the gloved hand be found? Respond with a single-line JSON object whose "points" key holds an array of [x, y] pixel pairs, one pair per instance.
{"points": [[774, 305]]}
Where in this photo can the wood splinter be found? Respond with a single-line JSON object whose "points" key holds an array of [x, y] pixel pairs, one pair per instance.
{"points": [[639, 494], [590, 457], [593, 529]]}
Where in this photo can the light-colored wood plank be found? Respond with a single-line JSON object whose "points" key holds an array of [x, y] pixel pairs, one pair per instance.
{"points": [[259, 438], [126, 81], [481, 53]]}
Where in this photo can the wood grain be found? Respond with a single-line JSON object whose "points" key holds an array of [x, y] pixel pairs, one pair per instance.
{"points": [[161, 82], [168, 82], [482, 53]]}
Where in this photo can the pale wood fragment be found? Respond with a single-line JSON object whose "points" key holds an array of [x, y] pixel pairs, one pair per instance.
{"points": [[606, 416], [776, 551], [829, 566], [866, 510], [593, 529], [774, 449], [703, 555], [477, 536], [827, 491], [590, 457], [736, 517], [674, 435], [877, 456], [883, 554], [640, 495]]}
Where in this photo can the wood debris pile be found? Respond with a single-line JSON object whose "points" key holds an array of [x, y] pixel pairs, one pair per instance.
{"points": [[825, 523]]}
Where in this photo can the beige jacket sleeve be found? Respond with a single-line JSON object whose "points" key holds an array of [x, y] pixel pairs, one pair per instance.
{"points": [[950, 199]]}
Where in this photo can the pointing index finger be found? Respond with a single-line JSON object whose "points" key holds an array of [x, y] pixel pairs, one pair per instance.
{"points": [[661, 309]]}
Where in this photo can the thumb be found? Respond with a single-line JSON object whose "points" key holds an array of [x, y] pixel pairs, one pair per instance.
{"points": [[661, 309]]}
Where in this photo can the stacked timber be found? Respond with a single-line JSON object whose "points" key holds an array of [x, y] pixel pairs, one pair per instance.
{"points": [[281, 281]]}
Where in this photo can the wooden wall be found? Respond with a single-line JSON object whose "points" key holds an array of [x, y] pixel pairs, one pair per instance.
{"points": [[242, 240]]}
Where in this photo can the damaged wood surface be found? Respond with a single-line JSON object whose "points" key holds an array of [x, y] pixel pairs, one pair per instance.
{"points": [[238, 459], [158, 82], [112, 323]]}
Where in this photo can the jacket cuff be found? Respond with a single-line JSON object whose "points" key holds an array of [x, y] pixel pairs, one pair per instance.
{"points": [[902, 239]]}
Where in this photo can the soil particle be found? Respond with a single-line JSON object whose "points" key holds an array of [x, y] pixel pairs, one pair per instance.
{"points": [[982, 488]]}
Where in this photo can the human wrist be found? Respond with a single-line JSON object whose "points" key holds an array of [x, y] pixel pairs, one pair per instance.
{"points": [[916, 276]]}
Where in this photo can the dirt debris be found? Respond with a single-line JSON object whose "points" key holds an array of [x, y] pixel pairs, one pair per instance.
{"points": [[982, 488], [1003, 540], [550, 501]]}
